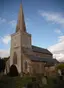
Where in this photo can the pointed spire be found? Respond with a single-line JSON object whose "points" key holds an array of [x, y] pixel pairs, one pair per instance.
{"points": [[21, 23]]}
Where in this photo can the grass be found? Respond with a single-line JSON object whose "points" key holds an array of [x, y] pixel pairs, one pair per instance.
{"points": [[18, 82], [14, 82]]}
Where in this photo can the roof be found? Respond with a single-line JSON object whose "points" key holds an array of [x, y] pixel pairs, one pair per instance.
{"points": [[39, 59], [40, 50]]}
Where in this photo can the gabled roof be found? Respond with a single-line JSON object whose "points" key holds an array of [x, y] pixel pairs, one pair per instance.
{"points": [[40, 59], [40, 50]]}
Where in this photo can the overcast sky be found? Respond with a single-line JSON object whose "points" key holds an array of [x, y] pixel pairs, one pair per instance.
{"points": [[44, 19]]}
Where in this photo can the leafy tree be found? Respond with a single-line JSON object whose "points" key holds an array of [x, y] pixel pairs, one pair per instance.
{"points": [[61, 67], [2, 65]]}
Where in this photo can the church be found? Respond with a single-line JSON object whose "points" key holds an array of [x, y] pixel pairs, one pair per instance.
{"points": [[26, 57]]}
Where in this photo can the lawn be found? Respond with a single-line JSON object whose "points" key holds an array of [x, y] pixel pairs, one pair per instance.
{"points": [[14, 82], [18, 82]]}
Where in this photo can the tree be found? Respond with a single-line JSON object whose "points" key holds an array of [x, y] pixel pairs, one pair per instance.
{"points": [[2, 65], [61, 67]]}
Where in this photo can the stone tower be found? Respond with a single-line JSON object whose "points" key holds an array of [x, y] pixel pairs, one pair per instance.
{"points": [[18, 40]]}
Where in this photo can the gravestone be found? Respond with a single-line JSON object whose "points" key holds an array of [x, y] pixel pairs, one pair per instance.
{"points": [[59, 72], [44, 80]]}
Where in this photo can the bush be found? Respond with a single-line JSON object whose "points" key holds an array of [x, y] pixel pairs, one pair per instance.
{"points": [[2, 65], [61, 67]]}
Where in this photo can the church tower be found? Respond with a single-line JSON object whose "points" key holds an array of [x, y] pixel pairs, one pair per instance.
{"points": [[18, 40]]}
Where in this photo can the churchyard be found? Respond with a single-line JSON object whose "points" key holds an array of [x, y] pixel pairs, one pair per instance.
{"points": [[31, 82], [14, 80]]}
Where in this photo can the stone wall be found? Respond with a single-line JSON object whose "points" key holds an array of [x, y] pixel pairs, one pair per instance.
{"points": [[16, 48], [28, 68], [37, 67]]}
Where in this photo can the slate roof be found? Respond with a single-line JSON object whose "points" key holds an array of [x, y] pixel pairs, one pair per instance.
{"points": [[32, 57], [40, 59], [40, 50]]}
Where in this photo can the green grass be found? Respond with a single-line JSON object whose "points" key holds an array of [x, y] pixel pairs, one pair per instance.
{"points": [[18, 82], [14, 82]]}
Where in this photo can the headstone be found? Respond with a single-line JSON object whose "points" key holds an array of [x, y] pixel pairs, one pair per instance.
{"points": [[44, 80], [59, 72], [24, 87]]}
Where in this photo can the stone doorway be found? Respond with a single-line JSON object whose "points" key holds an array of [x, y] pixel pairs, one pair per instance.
{"points": [[13, 71]]}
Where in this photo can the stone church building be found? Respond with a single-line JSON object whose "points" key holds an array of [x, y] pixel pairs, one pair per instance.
{"points": [[26, 57]]}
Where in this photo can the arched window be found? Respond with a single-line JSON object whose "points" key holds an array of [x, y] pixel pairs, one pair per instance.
{"points": [[26, 65], [15, 58]]}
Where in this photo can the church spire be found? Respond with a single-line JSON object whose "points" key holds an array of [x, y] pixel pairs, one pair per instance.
{"points": [[21, 23]]}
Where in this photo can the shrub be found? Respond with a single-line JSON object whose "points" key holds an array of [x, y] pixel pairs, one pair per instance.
{"points": [[61, 67], [2, 65]]}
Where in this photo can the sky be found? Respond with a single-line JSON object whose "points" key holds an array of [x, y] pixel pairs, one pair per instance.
{"points": [[44, 20]]}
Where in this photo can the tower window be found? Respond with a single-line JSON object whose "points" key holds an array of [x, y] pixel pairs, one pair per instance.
{"points": [[15, 58], [26, 65]]}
